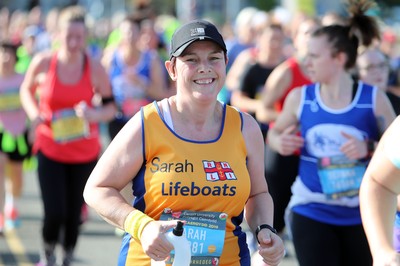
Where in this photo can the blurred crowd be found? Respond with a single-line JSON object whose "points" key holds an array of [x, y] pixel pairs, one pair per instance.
{"points": [[33, 31]]}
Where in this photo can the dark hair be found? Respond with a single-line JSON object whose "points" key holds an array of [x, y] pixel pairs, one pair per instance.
{"points": [[361, 30], [6, 45], [133, 19]]}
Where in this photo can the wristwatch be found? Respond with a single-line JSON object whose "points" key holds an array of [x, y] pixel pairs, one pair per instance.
{"points": [[265, 226]]}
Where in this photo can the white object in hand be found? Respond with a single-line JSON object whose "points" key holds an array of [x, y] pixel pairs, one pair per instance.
{"points": [[181, 246]]}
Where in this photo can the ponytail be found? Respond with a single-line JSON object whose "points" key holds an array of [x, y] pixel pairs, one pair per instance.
{"points": [[361, 30]]}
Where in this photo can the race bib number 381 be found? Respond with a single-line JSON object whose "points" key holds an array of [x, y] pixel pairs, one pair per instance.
{"points": [[206, 233]]}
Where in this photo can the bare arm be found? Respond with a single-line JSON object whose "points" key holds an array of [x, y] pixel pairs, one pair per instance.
{"points": [[237, 69], [259, 207], [282, 137], [102, 87], [240, 97], [240, 100], [120, 162], [117, 166], [157, 89], [384, 111], [355, 148], [35, 72], [107, 57], [378, 199], [275, 87]]}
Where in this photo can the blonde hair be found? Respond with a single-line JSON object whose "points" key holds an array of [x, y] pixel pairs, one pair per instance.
{"points": [[71, 14]]}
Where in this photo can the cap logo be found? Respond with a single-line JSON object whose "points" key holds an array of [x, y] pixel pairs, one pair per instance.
{"points": [[197, 31]]}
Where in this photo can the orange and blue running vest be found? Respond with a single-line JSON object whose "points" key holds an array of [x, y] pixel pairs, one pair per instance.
{"points": [[203, 182]]}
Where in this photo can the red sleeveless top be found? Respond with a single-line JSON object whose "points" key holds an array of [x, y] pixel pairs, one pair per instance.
{"points": [[56, 97], [298, 79]]}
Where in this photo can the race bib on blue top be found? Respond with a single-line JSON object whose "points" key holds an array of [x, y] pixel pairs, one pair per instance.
{"points": [[340, 176]]}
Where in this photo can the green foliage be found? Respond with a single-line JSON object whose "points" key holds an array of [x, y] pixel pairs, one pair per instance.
{"points": [[266, 5], [390, 2], [164, 6]]}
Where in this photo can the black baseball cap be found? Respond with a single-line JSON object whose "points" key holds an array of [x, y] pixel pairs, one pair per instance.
{"points": [[196, 30]]}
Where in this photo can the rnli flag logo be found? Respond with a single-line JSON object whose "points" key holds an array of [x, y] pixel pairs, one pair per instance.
{"points": [[218, 171]]}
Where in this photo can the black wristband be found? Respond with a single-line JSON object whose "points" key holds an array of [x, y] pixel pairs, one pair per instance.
{"points": [[370, 147], [265, 226], [109, 99]]}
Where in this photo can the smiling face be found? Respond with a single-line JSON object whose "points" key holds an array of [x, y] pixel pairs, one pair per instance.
{"points": [[200, 71]]}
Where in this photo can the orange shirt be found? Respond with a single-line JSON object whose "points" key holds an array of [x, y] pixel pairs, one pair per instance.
{"points": [[198, 176]]}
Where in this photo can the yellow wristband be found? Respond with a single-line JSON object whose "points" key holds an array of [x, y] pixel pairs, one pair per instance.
{"points": [[135, 223]]}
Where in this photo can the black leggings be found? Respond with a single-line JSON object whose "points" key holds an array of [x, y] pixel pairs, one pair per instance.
{"points": [[114, 127], [280, 173], [62, 187], [319, 244]]}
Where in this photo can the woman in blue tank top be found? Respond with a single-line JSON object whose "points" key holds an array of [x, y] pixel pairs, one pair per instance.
{"points": [[134, 74], [340, 120]]}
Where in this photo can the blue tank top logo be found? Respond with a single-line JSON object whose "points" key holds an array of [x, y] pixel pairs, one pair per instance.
{"points": [[326, 139], [314, 107]]}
